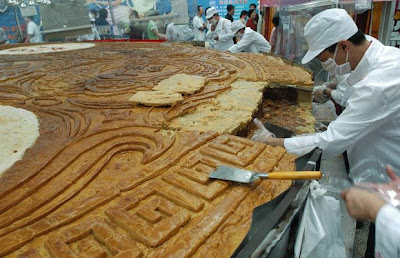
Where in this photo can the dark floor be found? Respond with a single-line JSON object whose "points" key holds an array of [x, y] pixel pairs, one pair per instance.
{"points": [[360, 240]]}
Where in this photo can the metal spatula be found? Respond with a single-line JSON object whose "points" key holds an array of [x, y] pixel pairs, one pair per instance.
{"points": [[244, 176]]}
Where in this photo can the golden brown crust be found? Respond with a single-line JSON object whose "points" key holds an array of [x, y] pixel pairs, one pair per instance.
{"points": [[106, 177]]}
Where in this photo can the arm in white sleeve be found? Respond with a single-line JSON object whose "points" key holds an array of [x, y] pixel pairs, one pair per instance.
{"points": [[367, 110], [340, 94], [337, 96], [387, 235], [300, 145], [242, 44]]}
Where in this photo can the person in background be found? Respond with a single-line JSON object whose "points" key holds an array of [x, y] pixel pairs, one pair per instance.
{"points": [[230, 9], [243, 17], [254, 7], [92, 18], [172, 32], [252, 21], [152, 31], [95, 34], [33, 31], [375, 206], [101, 20], [276, 39], [135, 31], [250, 41], [219, 32], [198, 25], [3, 37]]}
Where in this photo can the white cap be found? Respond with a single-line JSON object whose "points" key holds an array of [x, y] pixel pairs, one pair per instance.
{"points": [[325, 29], [237, 25], [210, 12], [91, 18]]}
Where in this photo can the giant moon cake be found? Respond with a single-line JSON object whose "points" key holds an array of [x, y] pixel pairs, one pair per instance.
{"points": [[94, 172]]}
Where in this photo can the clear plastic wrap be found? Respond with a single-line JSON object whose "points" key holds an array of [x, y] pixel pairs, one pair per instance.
{"points": [[390, 190]]}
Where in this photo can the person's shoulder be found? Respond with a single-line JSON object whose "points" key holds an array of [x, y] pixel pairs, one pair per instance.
{"points": [[223, 21]]}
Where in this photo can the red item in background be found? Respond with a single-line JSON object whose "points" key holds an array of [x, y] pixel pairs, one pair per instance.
{"points": [[131, 40], [250, 23]]}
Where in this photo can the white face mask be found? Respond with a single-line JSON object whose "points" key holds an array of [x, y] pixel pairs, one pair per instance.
{"points": [[239, 35], [213, 22], [331, 66]]}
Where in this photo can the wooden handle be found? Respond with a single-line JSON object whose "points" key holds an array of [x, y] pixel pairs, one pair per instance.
{"points": [[295, 175]]}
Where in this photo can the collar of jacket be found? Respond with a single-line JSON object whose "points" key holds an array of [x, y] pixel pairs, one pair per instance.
{"points": [[367, 62]]}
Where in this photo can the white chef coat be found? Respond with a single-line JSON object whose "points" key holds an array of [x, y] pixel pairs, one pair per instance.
{"points": [[225, 35], [370, 124], [387, 234], [179, 32], [252, 42], [34, 31], [197, 24], [342, 93]]}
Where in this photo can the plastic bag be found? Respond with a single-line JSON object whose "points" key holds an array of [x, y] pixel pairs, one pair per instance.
{"points": [[319, 233], [390, 191]]}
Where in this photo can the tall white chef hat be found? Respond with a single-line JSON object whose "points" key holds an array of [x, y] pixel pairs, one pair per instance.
{"points": [[325, 29], [236, 26], [210, 12]]}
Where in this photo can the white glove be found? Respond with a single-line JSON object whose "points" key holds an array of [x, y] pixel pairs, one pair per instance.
{"points": [[262, 134], [331, 85], [318, 92], [319, 95]]}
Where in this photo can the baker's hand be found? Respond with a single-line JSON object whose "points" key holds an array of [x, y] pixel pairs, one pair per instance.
{"points": [[319, 94], [262, 134], [362, 203], [331, 85], [389, 191]]}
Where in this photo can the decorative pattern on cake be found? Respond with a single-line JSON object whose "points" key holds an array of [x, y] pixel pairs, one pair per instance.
{"points": [[107, 177]]}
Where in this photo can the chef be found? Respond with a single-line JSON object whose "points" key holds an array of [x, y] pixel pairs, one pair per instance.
{"points": [[219, 32], [249, 40], [369, 127]]}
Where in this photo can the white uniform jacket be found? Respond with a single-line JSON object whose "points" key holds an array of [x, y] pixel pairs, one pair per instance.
{"points": [[387, 235], [33, 30], [197, 24], [252, 42], [225, 35], [369, 127]]}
